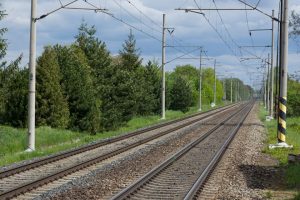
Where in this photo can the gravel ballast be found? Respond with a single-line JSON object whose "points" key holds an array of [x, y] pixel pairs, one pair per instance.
{"points": [[244, 172], [108, 180]]}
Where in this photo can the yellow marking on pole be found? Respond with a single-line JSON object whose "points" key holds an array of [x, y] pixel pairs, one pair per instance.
{"points": [[282, 122], [282, 107], [281, 136]]}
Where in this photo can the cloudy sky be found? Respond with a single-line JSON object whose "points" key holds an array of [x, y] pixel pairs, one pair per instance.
{"points": [[220, 33]]}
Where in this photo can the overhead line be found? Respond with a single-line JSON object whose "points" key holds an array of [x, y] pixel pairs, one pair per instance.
{"points": [[151, 20], [132, 26], [136, 17], [126, 23], [55, 10], [255, 8], [249, 32], [173, 37], [218, 33], [225, 26], [183, 55]]}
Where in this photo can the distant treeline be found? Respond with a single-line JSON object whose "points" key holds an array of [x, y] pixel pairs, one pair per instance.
{"points": [[83, 87]]}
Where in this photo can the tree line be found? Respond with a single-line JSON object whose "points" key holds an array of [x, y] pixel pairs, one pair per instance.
{"points": [[83, 87]]}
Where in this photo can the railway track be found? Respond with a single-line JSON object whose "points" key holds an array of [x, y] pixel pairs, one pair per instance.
{"points": [[22, 179], [182, 175]]}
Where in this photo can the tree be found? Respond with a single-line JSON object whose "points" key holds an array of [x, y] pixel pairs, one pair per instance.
{"points": [[121, 89], [2, 100], [181, 95], [191, 75], [131, 64], [78, 87], [98, 56], [293, 103], [295, 24], [15, 85], [99, 60], [3, 44], [130, 55], [52, 106], [207, 86], [150, 82]]}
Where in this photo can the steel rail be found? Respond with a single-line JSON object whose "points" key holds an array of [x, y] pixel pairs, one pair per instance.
{"points": [[53, 158], [52, 177], [203, 177], [154, 172]]}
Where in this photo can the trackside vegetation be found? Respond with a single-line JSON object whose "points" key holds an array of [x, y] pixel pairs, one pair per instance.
{"points": [[13, 141], [291, 171]]}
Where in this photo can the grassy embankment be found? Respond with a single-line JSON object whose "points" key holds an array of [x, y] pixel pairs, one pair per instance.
{"points": [[292, 171], [48, 140]]}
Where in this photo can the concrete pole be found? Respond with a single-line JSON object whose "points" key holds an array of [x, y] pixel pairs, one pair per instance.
{"points": [[200, 81], [32, 78], [224, 88], [163, 89], [231, 89], [215, 83], [281, 135], [265, 90], [277, 71], [238, 91], [271, 111], [268, 83]]}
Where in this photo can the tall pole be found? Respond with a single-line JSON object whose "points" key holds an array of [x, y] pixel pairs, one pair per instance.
{"points": [[231, 89], [215, 82], [200, 81], [224, 88], [265, 89], [277, 65], [163, 89], [268, 83], [32, 78], [283, 75], [271, 110], [236, 91]]}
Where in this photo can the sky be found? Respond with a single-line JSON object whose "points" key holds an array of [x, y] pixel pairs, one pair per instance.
{"points": [[222, 35]]}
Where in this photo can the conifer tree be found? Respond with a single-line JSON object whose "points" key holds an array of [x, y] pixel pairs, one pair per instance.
{"points": [[15, 84], [98, 57], [2, 100], [121, 86], [131, 67], [99, 60], [78, 87], [149, 103], [3, 44], [130, 55], [52, 106]]}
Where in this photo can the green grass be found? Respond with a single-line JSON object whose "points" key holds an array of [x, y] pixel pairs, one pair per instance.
{"points": [[297, 197], [13, 141], [292, 171]]}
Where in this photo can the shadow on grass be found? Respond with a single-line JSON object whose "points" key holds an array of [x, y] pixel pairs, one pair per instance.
{"points": [[269, 177]]}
